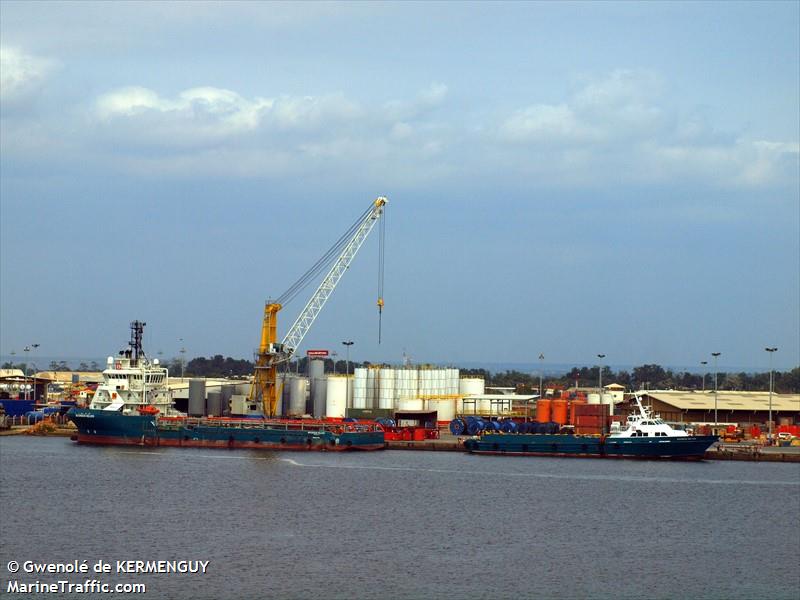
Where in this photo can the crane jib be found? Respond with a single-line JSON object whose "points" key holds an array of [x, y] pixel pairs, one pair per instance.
{"points": [[271, 352]]}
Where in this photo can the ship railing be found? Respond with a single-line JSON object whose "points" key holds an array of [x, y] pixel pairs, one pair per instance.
{"points": [[286, 424]]}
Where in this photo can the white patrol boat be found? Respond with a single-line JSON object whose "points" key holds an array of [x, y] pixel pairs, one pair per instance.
{"points": [[644, 424]]}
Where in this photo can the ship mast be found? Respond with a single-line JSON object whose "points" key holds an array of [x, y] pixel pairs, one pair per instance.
{"points": [[137, 329]]}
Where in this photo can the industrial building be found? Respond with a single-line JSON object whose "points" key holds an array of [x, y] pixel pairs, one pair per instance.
{"points": [[740, 408]]}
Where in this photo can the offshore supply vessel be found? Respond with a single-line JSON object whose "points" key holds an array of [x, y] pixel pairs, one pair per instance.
{"points": [[134, 406], [645, 435]]}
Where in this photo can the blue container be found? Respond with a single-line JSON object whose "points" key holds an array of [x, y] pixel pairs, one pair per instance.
{"points": [[457, 427], [510, 427], [16, 408]]}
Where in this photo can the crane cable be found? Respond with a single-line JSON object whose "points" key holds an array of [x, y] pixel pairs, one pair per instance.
{"points": [[381, 256], [324, 261]]}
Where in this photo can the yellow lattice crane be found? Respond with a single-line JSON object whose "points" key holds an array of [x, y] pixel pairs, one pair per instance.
{"points": [[271, 353]]}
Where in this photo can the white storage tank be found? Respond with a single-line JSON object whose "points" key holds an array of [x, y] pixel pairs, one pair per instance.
{"points": [[372, 391], [336, 396], [410, 404], [298, 388], [471, 386], [444, 407], [593, 398]]}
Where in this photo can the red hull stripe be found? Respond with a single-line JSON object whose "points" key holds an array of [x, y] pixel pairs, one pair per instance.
{"points": [[110, 440]]}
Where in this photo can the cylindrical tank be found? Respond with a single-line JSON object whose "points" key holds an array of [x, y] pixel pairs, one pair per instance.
{"points": [[372, 392], [594, 398], [543, 410], [298, 387], [471, 386], [608, 400], [445, 408], [410, 404], [214, 404], [319, 390], [386, 384], [225, 397], [559, 411], [336, 397], [197, 397], [316, 369]]}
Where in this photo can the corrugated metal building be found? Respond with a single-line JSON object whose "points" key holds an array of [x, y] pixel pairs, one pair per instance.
{"points": [[732, 407]]}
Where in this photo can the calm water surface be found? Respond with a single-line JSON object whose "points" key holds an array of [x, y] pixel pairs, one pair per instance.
{"points": [[399, 524]]}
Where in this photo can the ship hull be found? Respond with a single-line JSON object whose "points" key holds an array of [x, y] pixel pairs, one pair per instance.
{"points": [[112, 428], [669, 448]]}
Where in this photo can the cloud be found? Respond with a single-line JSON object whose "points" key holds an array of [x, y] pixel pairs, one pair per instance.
{"points": [[21, 74], [204, 115], [619, 127], [425, 101], [616, 106]]}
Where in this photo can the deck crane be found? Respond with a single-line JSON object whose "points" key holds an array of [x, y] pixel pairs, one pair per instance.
{"points": [[270, 352]]}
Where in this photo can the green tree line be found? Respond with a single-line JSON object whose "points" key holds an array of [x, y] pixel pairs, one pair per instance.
{"points": [[649, 376]]}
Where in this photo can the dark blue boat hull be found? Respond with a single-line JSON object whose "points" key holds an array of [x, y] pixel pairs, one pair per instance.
{"points": [[675, 448], [113, 428]]}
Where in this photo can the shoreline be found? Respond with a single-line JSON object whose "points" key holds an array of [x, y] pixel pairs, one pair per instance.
{"points": [[748, 453]]}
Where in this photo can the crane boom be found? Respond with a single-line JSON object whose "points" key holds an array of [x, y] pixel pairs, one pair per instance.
{"points": [[307, 316], [270, 353]]}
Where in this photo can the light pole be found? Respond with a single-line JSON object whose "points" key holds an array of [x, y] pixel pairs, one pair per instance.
{"points": [[715, 355], [348, 343], [704, 363], [183, 357], [601, 357], [600, 384], [334, 355], [541, 363], [27, 390], [769, 425]]}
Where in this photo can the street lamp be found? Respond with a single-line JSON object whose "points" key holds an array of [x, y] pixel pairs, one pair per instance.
{"points": [[715, 355], [27, 389], [348, 343], [600, 385], [541, 362], [601, 357], [183, 356], [769, 425], [334, 355], [704, 363]]}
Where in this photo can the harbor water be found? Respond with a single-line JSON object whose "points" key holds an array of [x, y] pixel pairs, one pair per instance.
{"points": [[401, 524]]}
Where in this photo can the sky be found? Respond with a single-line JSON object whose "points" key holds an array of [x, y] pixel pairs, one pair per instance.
{"points": [[566, 179]]}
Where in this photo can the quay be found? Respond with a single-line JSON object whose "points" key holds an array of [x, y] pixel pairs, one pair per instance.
{"points": [[451, 443]]}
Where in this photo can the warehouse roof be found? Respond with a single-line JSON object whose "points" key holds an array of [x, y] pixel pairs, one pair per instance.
{"points": [[727, 400], [66, 376]]}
